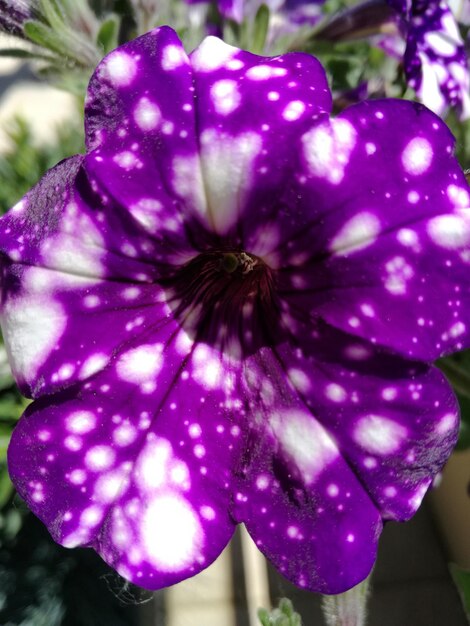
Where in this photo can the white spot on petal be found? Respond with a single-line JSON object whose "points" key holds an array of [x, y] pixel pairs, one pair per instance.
{"points": [[407, 237], [293, 110], [226, 187], [212, 54], [77, 477], [358, 233], [120, 68], [225, 96], [207, 512], [304, 441], [31, 329], [447, 424], [335, 392], [147, 114], [450, 231], [140, 365], [379, 435], [299, 379], [108, 486], [125, 434], [99, 458], [263, 72], [173, 57], [91, 516], [95, 363], [81, 422], [327, 148], [171, 533], [417, 156]]}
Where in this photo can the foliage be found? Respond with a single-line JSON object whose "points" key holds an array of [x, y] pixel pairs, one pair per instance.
{"points": [[43, 584], [462, 580], [26, 161], [283, 615], [457, 370], [20, 168]]}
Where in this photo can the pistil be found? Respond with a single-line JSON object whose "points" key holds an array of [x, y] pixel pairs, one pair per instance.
{"points": [[226, 295]]}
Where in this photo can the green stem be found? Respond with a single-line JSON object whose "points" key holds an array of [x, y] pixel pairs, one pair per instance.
{"points": [[348, 608]]}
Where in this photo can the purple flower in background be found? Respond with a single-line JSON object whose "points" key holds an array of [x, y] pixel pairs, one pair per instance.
{"points": [[461, 11], [287, 13], [299, 10], [436, 63], [226, 312], [14, 13]]}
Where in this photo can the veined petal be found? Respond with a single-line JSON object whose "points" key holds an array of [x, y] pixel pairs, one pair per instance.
{"points": [[249, 109], [138, 464], [77, 281], [209, 159], [384, 254], [141, 125], [394, 421], [319, 541]]}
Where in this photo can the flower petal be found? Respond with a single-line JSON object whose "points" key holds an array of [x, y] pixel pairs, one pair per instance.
{"points": [[300, 501], [135, 89], [142, 129], [77, 274], [249, 109], [212, 153], [384, 255], [436, 63], [395, 421], [341, 436], [137, 464]]}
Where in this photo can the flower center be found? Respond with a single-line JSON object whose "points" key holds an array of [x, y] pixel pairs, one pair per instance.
{"points": [[226, 298]]}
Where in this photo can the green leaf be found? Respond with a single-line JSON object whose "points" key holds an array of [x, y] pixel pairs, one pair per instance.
{"points": [[462, 580], [10, 410], [19, 53], [26, 160], [107, 37], [464, 434], [458, 374], [260, 29], [284, 615], [6, 379], [263, 617], [53, 14], [6, 488], [457, 371], [5, 436], [45, 37]]}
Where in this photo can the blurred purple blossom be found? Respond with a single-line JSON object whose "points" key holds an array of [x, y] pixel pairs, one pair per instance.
{"points": [[435, 59], [14, 13]]}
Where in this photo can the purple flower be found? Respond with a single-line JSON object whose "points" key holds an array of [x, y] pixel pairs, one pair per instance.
{"points": [[226, 311], [461, 11], [286, 11], [14, 13], [436, 63], [299, 10]]}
